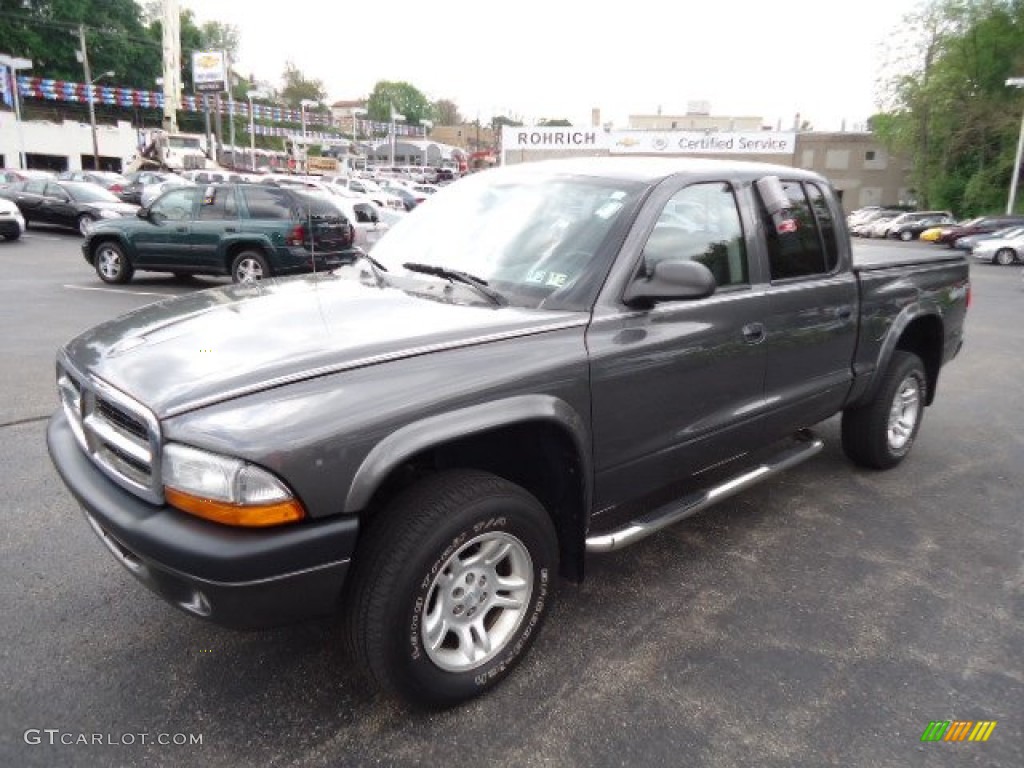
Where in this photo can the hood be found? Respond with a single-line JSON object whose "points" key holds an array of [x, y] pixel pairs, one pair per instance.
{"points": [[213, 345], [125, 209]]}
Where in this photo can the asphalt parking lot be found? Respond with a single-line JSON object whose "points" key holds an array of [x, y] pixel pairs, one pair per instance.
{"points": [[822, 618]]}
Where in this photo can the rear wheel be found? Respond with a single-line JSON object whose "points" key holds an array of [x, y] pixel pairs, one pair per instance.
{"points": [[450, 587], [880, 434], [249, 267], [1005, 257], [111, 264], [906, 235]]}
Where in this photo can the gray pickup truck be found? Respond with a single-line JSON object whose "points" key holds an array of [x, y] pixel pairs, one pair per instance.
{"points": [[545, 361]]}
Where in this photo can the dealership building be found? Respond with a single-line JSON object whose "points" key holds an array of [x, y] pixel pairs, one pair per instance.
{"points": [[859, 166]]}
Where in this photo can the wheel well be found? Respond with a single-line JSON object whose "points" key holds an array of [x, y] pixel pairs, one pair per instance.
{"points": [[236, 248], [923, 337], [97, 242], [538, 456]]}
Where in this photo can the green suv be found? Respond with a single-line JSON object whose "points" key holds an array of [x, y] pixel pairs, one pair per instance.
{"points": [[247, 231]]}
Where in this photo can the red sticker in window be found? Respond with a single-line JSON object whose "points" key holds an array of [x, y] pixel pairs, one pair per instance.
{"points": [[786, 226]]}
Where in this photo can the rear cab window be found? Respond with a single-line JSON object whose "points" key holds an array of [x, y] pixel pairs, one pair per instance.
{"points": [[806, 244]]}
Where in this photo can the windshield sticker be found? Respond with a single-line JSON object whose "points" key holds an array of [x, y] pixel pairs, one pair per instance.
{"points": [[537, 277], [557, 279], [608, 210]]}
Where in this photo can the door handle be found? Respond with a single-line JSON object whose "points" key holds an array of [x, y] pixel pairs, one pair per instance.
{"points": [[181, 229], [753, 333], [844, 313], [230, 229]]}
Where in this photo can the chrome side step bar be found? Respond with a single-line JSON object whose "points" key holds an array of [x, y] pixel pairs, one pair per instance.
{"points": [[673, 512]]}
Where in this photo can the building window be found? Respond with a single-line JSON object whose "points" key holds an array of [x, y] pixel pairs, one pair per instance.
{"points": [[675, 125], [869, 155]]}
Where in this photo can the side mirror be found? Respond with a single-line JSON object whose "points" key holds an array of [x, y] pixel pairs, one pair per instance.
{"points": [[142, 213], [672, 279]]}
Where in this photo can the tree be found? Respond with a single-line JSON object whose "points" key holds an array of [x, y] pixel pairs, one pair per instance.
{"points": [[947, 105], [296, 86], [217, 36], [46, 31], [560, 122], [406, 100], [499, 120], [446, 112]]}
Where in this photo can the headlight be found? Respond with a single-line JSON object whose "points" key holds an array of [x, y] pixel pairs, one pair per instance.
{"points": [[107, 214], [226, 490]]}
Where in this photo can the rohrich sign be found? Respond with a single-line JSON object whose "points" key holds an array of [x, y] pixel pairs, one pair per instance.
{"points": [[543, 138]]}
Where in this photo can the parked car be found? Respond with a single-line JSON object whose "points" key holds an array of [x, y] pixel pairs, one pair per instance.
{"points": [[545, 372], [932, 234], [139, 180], [75, 204], [866, 223], [151, 192], [383, 197], [12, 223], [366, 217], [979, 226], [10, 176], [110, 181], [908, 226], [879, 227], [247, 231], [1004, 250], [968, 242], [403, 191]]}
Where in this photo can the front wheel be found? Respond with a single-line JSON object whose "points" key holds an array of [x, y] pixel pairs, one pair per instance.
{"points": [[1005, 257], [906, 236], [880, 434], [111, 264], [450, 587]]}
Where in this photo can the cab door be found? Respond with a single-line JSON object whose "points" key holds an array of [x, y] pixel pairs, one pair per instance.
{"points": [[216, 220], [812, 311], [164, 240], [677, 387], [29, 199]]}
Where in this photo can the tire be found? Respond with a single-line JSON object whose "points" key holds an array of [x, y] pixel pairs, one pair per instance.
{"points": [[111, 263], [13, 237], [906, 235], [249, 267], [415, 589], [880, 434], [1004, 257], [85, 224]]}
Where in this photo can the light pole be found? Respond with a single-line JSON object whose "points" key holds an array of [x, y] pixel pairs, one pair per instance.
{"points": [[92, 119], [252, 125], [14, 63], [1016, 82], [356, 112], [394, 116], [427, 125], [302, 106]]}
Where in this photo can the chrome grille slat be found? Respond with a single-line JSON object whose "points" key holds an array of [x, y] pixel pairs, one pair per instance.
{"points": [[120, 435]]}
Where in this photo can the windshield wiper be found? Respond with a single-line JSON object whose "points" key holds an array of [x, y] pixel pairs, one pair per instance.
{"points": [[458, 276]]}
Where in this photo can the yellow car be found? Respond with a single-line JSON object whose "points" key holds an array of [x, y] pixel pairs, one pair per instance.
{"points": [[933, 234]]}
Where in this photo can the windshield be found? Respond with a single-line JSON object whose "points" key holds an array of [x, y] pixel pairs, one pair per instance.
{"points": [[370, 186], [183, 142], [528, 235], [91, 193]]}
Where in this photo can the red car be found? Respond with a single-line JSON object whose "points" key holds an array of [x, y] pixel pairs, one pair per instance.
{"points": [[980, 226]]}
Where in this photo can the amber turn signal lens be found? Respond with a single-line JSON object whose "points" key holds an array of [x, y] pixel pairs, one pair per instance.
{"points": [[260, 516]]}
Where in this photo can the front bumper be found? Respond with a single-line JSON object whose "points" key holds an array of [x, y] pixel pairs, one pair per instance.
{"points": [[245, 579]]}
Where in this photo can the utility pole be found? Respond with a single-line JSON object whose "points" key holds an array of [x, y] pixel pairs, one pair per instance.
{"points": [[92, 107]]}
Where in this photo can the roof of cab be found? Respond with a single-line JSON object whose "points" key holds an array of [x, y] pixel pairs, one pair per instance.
{"points": [[651, 169]]}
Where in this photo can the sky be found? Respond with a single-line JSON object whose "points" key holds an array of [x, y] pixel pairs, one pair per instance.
{"points": [[534, 59]]}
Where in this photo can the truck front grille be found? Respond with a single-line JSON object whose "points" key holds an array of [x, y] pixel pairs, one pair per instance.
{"points": [[120, 435]]}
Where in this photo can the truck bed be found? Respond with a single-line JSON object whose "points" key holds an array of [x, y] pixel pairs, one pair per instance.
{"points": [[865, 260]]}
